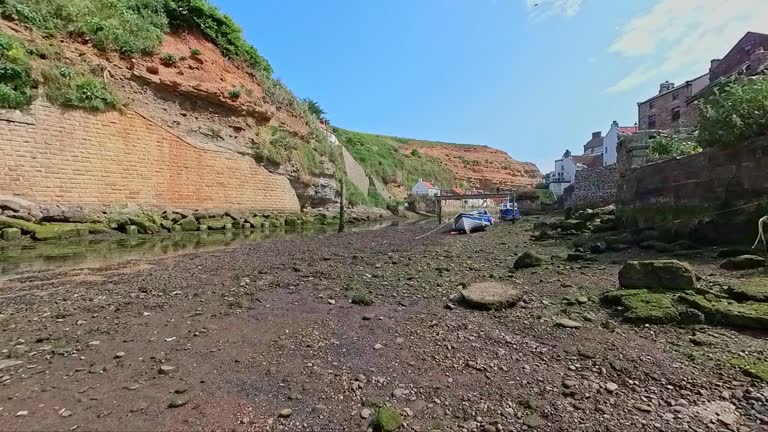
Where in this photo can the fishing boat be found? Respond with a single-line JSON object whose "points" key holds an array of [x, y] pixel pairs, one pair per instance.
{"points": [[507, 211], [475, 221]]}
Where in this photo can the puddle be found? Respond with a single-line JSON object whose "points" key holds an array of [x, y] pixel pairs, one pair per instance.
{"points": [[17, 259]]}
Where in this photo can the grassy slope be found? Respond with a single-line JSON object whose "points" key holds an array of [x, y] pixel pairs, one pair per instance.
{"points": [[380, 156]]}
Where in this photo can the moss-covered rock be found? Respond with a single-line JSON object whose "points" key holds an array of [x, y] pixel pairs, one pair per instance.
{"points": [[188, 224], [56, 232], [216, 224], [387, 419], [615, 298], [9, 234], [529, 259], [744, 262], [755, 289], [658, 246], [650, 308], [292, 221], [751, 315], [145, 224], [661, 274], [753, 368], [24, 226], [573, 225]]}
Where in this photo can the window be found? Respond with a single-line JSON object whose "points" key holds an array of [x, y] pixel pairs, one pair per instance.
{"points": [[652, 105], [676, 114], [652, 122], [675, 96]]}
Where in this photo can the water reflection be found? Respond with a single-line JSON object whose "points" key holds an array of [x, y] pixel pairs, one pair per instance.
{"points": [[19, 258]]}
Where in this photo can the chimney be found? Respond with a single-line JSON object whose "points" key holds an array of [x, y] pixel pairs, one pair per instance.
{"points": [[666, 86], [597, 135], [615, 124], [713, 64]]}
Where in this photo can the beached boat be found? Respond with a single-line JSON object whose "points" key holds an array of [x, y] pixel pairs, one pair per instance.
{"points": [[470, 222], [507, 211]]}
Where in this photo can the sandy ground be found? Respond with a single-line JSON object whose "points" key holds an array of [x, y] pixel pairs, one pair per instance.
{"points": [[231, 338]]}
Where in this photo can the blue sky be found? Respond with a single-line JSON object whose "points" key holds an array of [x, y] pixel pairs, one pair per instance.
{"points": [[531, 77]]}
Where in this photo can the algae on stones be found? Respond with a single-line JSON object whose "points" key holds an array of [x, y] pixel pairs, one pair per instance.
{"points": [[753, 368], [755, 289], [387, 419]]}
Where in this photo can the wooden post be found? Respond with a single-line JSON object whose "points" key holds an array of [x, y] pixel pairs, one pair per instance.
{"points": [[440, 212], [342, 224]]}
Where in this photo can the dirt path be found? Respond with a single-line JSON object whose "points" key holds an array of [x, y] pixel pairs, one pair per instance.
{"points": [[237, 336]]}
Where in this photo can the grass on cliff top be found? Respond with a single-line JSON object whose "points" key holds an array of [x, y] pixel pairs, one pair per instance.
{"points": [[78, 88], [380, 156]]}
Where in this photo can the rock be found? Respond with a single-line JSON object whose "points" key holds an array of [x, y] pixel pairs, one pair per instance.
{"points": [[285, 413], [153, 69], [9, 234], [533, 421], [573, 225], [9, 363], [490, 296], [744, 262], [611, 387], [166, 370], [754, 289], [24, 226], [22, 413], [188, 224], [56, 231], [566, 323], [141, 406], [753, 368], [178, 402], [642, 407], [131, 230], [365, 414], [661, 274], [489, 428], [119, 355], [598, 248], [529, 259], [65, 413], [14, 203], [387, 419], [399, 393], [378, 347], [579, 256]]}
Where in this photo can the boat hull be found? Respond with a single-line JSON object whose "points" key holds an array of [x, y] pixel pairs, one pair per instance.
{"points": [[469, 223]]}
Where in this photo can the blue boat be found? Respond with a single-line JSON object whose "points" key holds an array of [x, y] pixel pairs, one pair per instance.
{"points": [[507, 211], [475, 221]]}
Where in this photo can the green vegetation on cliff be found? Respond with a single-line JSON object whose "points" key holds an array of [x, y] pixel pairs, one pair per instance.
{"points": [[381, 157], [16, 81], [735, 113]]}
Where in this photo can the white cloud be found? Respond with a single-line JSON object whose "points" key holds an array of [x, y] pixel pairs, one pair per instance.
{"points": [[679, 37], [543, 8]]}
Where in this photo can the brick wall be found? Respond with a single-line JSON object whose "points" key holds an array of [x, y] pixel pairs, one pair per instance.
{"points": [[355, 172], [661, 107], [595, 188], [52, 156]]}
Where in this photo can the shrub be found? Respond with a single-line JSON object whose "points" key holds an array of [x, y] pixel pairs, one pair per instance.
{"points": [[168, 59], [362, 298], [235, 94], [16, 83], [664, 147], [78, 88], [126, 26], [195, 52], [415, 153], [314, 109], [735, 113]]}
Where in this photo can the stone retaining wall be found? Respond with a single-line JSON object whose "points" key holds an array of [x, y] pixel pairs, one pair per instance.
{"points": [[54, 156], [595, 188], [355, 172], [721, 192]]}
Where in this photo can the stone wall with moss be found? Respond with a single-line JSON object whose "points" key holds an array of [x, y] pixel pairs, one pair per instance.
{"points": [[716, 195]]}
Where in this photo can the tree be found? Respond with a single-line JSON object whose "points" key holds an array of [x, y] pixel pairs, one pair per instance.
{"points": [[315, 109]]}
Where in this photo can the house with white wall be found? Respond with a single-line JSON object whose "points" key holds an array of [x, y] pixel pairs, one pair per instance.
{"points": [[566, 167], [422, 188], [611, 141]]}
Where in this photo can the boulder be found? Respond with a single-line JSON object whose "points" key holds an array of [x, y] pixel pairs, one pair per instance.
{"points": [[649, 308], [490, 296], [529, 259], [660, 274], [619, 247], [23, 215], [598, 248], [625, 239], [573, 225], [647, 236], [24, 226], [56, 232], [658, 246], [733, 253], [144, 225], [755, 289], [744, 262], [10, 234], [188, 224], [14, 204], [577, 256]]}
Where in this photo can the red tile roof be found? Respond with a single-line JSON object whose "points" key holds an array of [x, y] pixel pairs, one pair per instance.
{"points": [[429, 185], [583, 159], [627, 130], [457, 191]]}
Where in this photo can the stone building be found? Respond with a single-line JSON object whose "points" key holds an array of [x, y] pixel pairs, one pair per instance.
{"points": [[611, 141], [670, 109], [595, 144], [748, 56]]}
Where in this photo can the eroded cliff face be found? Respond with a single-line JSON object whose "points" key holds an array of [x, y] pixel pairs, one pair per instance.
{"points": [[480, 167]]}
